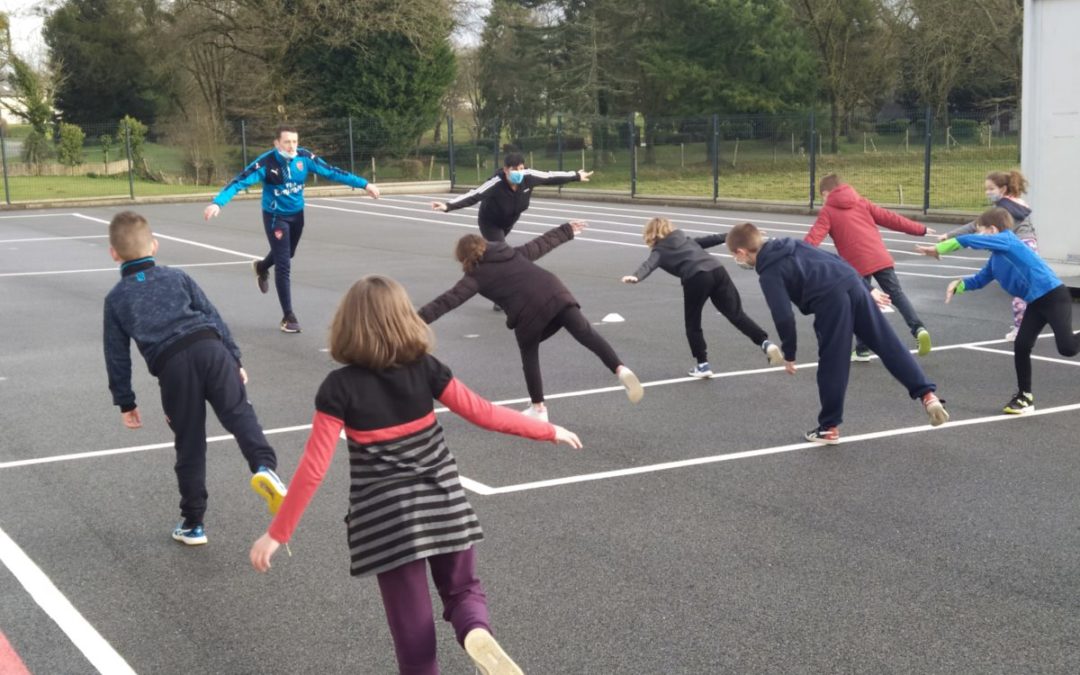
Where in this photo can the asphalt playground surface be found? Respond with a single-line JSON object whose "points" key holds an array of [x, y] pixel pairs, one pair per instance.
{"points": [[694, 533]]}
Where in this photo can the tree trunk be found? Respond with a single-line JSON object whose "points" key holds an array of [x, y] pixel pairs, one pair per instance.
{"points": [[834, 120]]}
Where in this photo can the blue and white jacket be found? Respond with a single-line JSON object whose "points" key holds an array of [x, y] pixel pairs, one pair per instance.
{"points": [[283, 180]]}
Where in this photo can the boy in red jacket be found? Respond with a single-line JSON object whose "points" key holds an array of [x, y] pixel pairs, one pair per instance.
{"points": [[853, 222]]}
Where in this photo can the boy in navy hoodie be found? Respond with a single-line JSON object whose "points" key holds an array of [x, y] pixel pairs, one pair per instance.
{"points": [[824, 285], [1021, 272], [189, 349]]}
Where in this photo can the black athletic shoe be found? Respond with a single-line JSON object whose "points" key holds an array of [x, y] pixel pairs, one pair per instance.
{"points": [[262, 278], [496, 307], [830, 436], [1021, 404], [289, 324]]}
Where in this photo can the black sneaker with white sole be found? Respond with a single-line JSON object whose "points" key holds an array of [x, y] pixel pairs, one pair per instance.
{"points": [[261, 278], [289, 324], [1022, 403]]}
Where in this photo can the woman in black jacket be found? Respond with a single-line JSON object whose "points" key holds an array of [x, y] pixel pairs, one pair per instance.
{"points": [[537, 304]]}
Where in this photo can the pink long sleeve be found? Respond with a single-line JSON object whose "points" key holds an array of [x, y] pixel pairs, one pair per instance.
{"points": [[483, 413], [321, 443]]}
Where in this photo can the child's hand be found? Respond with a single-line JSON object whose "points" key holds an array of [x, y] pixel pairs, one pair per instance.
{"points": [[951, 290], [211, 211], [930, 232], [578, 225], [262, 550], [568, 437], [880, 297], [629, 279], [373, 190], [243, 376], [584, 175], [942, 237], [789, 366], [131, 419], [928, 250], [438, 206]]}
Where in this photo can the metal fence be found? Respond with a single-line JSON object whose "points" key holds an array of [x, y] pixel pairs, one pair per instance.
{"points": [[900, 158]]}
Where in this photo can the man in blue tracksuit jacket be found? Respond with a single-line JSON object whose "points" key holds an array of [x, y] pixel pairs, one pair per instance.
{"points": [[1023, 274], [282, 172], [826, 286]]}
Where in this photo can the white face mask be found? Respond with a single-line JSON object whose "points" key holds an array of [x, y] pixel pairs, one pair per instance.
{"points": [[745, 264], [286, 154]]}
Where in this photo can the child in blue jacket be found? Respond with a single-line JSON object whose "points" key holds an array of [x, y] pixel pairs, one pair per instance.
{"points": [[826, 286], [1021, 272]]}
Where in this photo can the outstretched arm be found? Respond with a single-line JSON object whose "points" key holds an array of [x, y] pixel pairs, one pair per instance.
{"points": [[252, 173], [544, 244], [483, 413], [319, 166], [895, 221], [537, 177], [711, 240], [451, 299], [644, 269], [469, 198], [820, 229]]}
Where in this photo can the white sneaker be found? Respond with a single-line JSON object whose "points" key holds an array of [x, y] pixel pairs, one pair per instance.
{"points": [[541, 415], [489, 657], [634, 390], [701, 370], [1011, 335], [773, 353]]}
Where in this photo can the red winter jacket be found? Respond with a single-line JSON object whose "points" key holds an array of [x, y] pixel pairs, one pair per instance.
{"points": [[852, 222]]}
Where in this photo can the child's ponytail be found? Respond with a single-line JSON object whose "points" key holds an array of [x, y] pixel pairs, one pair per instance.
{"points": [[1014, 182]]}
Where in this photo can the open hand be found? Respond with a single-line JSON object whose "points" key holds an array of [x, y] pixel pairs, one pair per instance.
{"points": [[373, 190], [880, 297], [578, 226], [566, 436], [584, 175], [930, 232], [951, 290], [438, 206], [211, 211], [629, 279], [928, 250], [243, 376], [789, 366]]}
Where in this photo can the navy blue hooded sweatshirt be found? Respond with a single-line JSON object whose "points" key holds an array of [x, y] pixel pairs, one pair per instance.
{"points": [[791, 271]]}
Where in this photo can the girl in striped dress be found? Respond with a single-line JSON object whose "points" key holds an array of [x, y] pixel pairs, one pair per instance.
{"points": [[407, 509]]}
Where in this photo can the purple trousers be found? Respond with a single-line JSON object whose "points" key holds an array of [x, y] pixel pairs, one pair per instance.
{"points": [[408, 606]]}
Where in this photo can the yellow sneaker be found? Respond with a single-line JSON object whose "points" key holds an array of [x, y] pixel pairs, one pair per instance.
{"points": [[267, 485], [489, 657]]}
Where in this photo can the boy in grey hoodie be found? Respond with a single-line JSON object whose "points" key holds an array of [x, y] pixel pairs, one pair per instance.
{"points": [[703, 278]]}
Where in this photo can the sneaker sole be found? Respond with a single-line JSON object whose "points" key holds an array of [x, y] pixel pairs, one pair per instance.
{"points": [[924, 343], [634, 390], [861, 359], [775, 356], [823, 441], [262, 282], [289, 330], [1022, 411], [489, 657], [701, 376], [189, 541], [938, 414], [265, 487]]}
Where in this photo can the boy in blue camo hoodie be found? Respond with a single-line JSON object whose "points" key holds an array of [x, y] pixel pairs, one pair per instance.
{"points": [[189, 349], [1022, 273]]}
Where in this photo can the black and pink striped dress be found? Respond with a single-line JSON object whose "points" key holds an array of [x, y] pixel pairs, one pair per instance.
{"points": [[405, 499]]}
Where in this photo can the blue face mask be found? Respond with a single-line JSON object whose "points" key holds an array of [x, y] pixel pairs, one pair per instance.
{"points": [[516, 176], [995, 197]]}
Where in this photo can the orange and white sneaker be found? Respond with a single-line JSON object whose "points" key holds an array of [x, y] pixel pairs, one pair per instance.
{"points": [[489, 657], [829, 436], [937, 412]]}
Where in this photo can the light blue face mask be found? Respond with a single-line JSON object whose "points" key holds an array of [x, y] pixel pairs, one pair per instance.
{"points": [[995, 197], [516, 176]]}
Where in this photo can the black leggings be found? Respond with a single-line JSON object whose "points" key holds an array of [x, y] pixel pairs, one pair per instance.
{"points": [[1054, 308], [715, 285], [579, 327]]}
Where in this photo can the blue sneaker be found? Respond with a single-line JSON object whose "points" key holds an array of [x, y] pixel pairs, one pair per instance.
{"points": [[701, 370], [267, 485], [194, 535]]}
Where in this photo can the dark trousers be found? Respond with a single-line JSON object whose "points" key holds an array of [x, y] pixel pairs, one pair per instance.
{"points": [[207, 372], [283, 233], [494, 233], [836, 318], [1054, 308], [579, 327], [408, 606], [888, 282], [715, 285]]}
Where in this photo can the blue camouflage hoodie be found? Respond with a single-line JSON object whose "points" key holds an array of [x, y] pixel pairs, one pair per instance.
{"points": [[283, 180], [791, 271], [1019, 270]]}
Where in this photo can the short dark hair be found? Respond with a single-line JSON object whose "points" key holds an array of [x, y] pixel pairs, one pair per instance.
{"points": [[130, 235], [745, 236], [997, 218], [513, 159], [285, 128]]}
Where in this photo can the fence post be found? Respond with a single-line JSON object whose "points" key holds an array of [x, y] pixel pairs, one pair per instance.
{"points": [[243, 147], [559, 144], [352, 154], [131, 165], [926, 158], [631, 128], [3, 158], [450, 149], [813, 157], [715, 157], [495, 144]]}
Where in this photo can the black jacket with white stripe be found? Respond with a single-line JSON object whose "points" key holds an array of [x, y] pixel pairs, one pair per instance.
{"points": [[500, 204]]}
